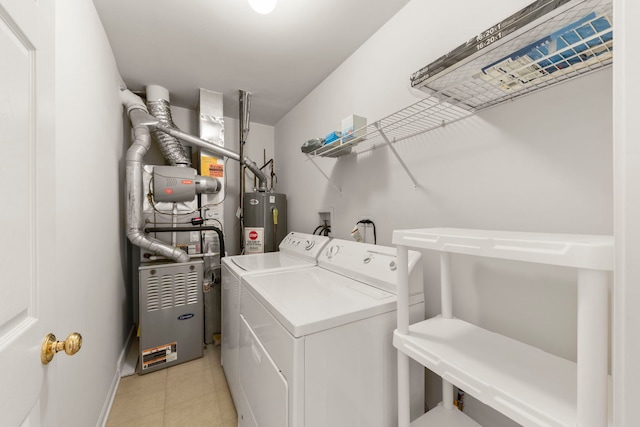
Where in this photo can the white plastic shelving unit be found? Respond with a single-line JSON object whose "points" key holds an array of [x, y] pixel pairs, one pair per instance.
{"points": [[530, 386]]}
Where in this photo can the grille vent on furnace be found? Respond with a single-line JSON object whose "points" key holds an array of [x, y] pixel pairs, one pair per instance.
{"points": [[166, 285], [170, 291], [193, 290], [180, 290], [153, 294]]}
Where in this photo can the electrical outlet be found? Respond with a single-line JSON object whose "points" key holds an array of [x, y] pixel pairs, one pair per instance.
{"points": [[369, 217], [365, 230]]}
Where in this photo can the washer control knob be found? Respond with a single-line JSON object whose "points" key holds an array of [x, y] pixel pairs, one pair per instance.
{"points": [[332, 250], [309, 245], [393, 266], [367, 259]]}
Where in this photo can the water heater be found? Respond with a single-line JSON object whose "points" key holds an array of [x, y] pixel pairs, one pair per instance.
{"points": [[265, 221]]}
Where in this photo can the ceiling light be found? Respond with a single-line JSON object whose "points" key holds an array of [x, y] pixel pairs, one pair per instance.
{"points": [[263, 6]]}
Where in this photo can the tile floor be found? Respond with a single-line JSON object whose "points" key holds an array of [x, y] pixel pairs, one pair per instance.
{"points": [[191, 394]]}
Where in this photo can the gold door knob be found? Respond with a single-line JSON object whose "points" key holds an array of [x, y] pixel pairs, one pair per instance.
{"points": [[50, 346]]}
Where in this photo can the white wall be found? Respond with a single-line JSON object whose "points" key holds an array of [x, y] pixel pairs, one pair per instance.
{"points": [[91, 281], [259, 146], [541, 163]]}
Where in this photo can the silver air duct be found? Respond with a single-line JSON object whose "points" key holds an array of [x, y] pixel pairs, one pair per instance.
{"points": [[140, 120], [216, 149], [159, 107]]}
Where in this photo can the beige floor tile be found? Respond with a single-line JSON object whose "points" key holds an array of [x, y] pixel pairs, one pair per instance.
{"points": [[227, 408], [202, 411], [155, 419], [131, 406], [188, 387], [193, 367], [135, 384], [194, 393]]}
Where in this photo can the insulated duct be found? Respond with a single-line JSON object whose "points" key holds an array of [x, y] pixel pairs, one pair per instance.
{"points": [[159, 107], [140, 120]]}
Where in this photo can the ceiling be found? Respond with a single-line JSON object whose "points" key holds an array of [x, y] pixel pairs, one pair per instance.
{"points": [[224, 46]]}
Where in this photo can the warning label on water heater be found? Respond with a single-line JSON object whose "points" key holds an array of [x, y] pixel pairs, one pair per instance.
{"points": [[253, 240]]}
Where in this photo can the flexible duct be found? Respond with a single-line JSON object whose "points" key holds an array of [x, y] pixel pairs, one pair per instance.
{"points": [[159, 107], [141, 120]]}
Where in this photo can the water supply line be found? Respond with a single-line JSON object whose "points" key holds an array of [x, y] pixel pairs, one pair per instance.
{"points": [[143, 122]]}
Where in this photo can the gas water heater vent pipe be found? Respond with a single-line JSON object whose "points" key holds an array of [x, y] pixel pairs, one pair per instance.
{"points": [[159, 107], [140, 120], [245, 109], [216, 149]]}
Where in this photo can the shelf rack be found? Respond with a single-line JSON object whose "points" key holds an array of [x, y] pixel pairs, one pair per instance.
{"points": [[574, 39], [532, 387]]}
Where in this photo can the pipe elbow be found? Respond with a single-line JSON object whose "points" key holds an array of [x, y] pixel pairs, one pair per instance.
{"points": [[131, 101], [137, 238]]}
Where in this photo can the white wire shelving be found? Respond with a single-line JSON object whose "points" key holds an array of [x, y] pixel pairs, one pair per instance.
{"points": [[573, 40]]}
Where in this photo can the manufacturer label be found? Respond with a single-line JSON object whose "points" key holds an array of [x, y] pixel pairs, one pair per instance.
{"points": [[187, 182], [168, 190], [253, 240], [159, 355], [254, 201], [272, 199]]}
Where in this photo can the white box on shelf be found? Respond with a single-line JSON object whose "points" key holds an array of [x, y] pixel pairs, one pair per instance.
{"points": [[353, 127]]}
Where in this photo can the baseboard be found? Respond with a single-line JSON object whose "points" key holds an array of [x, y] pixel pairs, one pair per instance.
{"points": [[104, 414]]}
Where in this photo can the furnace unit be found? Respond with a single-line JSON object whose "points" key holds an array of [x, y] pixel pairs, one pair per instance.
{"points": [[171, 314]]}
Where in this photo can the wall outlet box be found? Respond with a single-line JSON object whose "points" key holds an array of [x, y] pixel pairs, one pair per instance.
{"points": [[353, 127]]}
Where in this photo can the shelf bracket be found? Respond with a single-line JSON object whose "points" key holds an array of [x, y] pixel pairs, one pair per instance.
{"points": [[324, 174], [395, 153]]}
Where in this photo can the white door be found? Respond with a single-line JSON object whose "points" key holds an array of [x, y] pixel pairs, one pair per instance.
{"points": [[27, 210]]}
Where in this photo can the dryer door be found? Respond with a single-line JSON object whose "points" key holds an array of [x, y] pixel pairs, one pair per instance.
{"points": [[264, 386]]}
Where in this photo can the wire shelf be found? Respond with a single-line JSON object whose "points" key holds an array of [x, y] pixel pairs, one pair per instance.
{"points": [[572, 40]]}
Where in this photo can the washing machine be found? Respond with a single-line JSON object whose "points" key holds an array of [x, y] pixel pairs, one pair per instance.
{"points": [[316, 342], [296, 250]]}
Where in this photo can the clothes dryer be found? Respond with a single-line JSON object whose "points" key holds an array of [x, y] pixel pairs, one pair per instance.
{"points": [[296, 250], [316, 343]]}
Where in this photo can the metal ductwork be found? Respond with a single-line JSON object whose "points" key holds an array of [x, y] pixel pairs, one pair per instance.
{"points": [[216, 149], [141, 120], [158, 105]]}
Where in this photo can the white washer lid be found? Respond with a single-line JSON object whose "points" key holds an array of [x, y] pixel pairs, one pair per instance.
{"points": [[313, 299], [271, 260]]}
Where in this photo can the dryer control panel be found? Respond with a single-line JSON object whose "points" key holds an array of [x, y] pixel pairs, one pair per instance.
{"points": [[302, 244]]}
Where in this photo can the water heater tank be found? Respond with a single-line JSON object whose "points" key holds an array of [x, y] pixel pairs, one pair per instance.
{"points": [[265, 221]]}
